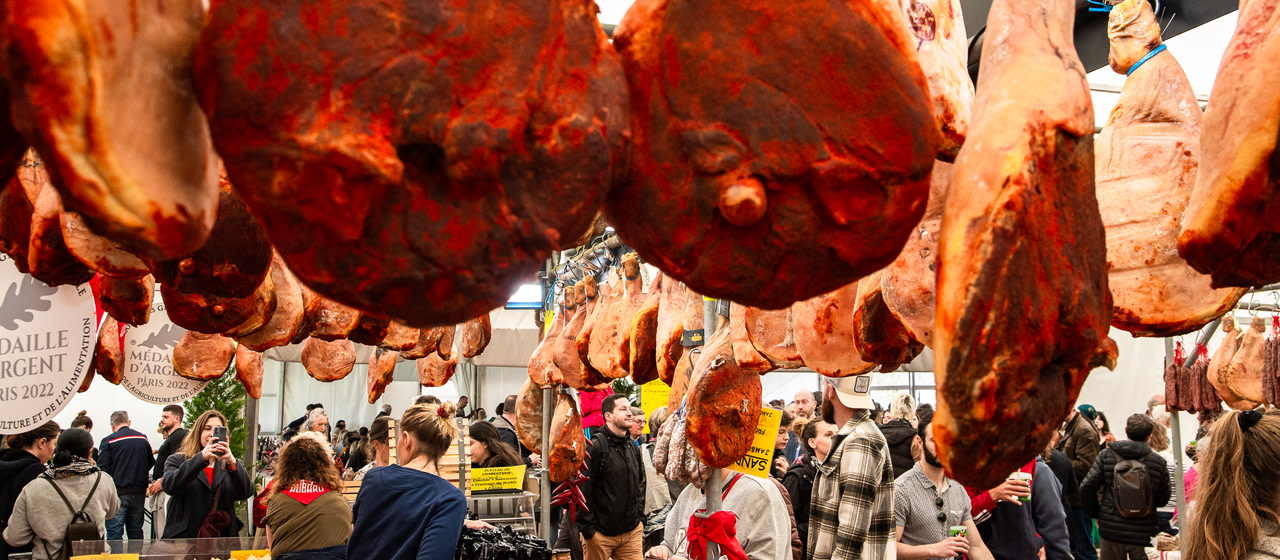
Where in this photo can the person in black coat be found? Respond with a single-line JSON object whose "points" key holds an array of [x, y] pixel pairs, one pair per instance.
{"points": [[815, 444], [192, 477], [21, 463], [1124, 535]]}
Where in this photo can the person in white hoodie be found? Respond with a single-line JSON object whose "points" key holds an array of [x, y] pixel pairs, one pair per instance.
{"points": [[42, 513]]}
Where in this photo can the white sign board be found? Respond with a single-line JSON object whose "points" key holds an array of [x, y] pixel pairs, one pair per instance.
{"points": [[148, 360], [46, 347]]}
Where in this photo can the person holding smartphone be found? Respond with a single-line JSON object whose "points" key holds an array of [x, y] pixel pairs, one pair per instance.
{"points": [[204, 480]]}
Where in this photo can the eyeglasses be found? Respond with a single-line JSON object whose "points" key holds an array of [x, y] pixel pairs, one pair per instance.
{"points": [[942, 515]]}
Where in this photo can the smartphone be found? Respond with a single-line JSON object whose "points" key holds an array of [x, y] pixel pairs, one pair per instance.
{"points": [[220, 434]]}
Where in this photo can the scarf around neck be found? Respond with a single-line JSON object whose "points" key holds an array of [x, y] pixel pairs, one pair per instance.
{"points": [[78, 467]]}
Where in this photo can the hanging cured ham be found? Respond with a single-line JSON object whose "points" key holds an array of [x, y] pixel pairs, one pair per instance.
{"points": [[825, 333], [879, 336], [428, 341], [909, 285], [212, 314], [1231, 229], [642, 351], [15, 222], [1240, 380], [108, 356], [773, 334], [328, 360], [529, 413], [567, 358], [130, 148], [1222, 358], [382, 369], [435, 371], [937, 33], [1023, 307], [399, 337], [333, 320], [48, 258], [744, 352], [411, 165], [608, 346], [231, 264], [474, 336], [543, 370], [724, 404], [1146, 161], [127, 300], [754, 177], [289, 316], [203, 357], [568, 444], [670, 328], [104, 256], [249, 371]]}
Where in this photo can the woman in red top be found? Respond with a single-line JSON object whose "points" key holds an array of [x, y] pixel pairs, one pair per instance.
{"points": [[203, 469]]}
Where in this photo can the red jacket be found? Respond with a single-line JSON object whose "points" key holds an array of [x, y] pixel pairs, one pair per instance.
{"points": [[983, 504], [590, 407]]}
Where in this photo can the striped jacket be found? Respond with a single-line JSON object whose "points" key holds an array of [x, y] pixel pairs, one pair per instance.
{"points": [[126, 456], [851, 514]]}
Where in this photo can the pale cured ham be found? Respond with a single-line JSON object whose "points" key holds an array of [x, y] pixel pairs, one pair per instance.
{"points": [[333, 320], [444, 347], [609, 344], [567, 357], [1023, 308], [289, 317], [202, 356], [1231, 229], [382, 369], [755, 178], [543, 370], [773, 334], [1222, 359], [48, 259], [529, 414], [1147, 157], [744, 352], [104, 256], [1240, 382], [942, 47], [249, 371], [399, 337], [909, 285], [131, 148], [825, 331], [327, 360], [428, 341], [642, 353], [435, 371]]}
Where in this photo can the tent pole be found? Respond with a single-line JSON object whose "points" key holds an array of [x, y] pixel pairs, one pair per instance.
{"points": [[710, 316], [1175, 434], [251, 444], [544, 478]]}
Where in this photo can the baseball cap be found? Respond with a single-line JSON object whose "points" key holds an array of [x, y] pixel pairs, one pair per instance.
{"points": [[854, 391], [1088, 411]]}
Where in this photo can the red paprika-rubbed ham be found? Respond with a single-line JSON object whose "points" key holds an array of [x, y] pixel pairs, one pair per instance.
{"points": [[754, 178], [724, 404], [415, 160]]}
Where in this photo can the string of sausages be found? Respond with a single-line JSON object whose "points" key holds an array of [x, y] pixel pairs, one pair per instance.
{"points": [[1188, 388]]}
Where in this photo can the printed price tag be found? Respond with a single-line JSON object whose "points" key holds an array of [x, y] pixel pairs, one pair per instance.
{"points": [[692, 338], [249, 554], [500, 479], [760, 458]]}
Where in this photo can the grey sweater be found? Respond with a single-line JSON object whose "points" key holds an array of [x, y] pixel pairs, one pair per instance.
{"points": [[41, 515], [763, 526]]}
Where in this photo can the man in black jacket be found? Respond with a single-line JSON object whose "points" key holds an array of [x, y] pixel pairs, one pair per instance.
{"points": [[1125, 537], [613, 523], [126, 456], [173, 432]]}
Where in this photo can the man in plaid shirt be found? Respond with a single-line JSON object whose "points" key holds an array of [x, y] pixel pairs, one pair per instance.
{"points": [[851, 515]]}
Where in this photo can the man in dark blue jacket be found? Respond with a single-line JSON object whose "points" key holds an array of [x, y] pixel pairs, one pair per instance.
{"points": [[126, 456], [1015, 529]]}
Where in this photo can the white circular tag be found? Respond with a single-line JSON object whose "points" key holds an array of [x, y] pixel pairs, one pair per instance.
{"points": [[46, 346], [148, 360]]}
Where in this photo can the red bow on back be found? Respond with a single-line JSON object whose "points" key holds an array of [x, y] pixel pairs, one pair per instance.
{"points": [[721, 528]]}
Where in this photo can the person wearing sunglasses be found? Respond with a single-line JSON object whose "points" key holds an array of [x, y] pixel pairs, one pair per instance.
{"points": [[932, 512]]}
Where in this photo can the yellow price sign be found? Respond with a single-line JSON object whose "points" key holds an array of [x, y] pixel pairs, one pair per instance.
{"points": [[653, 395], [247, 554], [498, 479], [760, 458], [105, 556]]}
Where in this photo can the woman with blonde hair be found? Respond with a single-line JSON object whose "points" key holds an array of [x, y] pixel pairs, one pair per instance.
{"points": [[1240, 517], [204, 481], [307, 517], [411, 500]]}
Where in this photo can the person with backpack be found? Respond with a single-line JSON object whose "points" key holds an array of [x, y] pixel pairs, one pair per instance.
{"points": [[21, 463], [70, 502], [1122, 491]]}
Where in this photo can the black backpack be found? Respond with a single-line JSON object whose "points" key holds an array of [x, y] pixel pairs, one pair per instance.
{"points": [[81, 527], [1131, 489]]}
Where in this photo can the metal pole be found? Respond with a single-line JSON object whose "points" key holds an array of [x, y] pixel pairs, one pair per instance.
{"points": [[251, 443], [1175, 435], [544, 474], [710, 317], [1202, 340]]}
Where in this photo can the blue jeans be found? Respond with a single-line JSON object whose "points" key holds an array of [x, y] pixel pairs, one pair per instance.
{"points": [[1081, 530], [327, 553], [128, 518]]}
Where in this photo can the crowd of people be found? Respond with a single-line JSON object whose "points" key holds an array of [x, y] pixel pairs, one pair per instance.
{"points": [[848, 480]]}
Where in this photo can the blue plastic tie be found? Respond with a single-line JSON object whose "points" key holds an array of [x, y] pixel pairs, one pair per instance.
{"points": [[1157, 51], [1096, 6]]}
